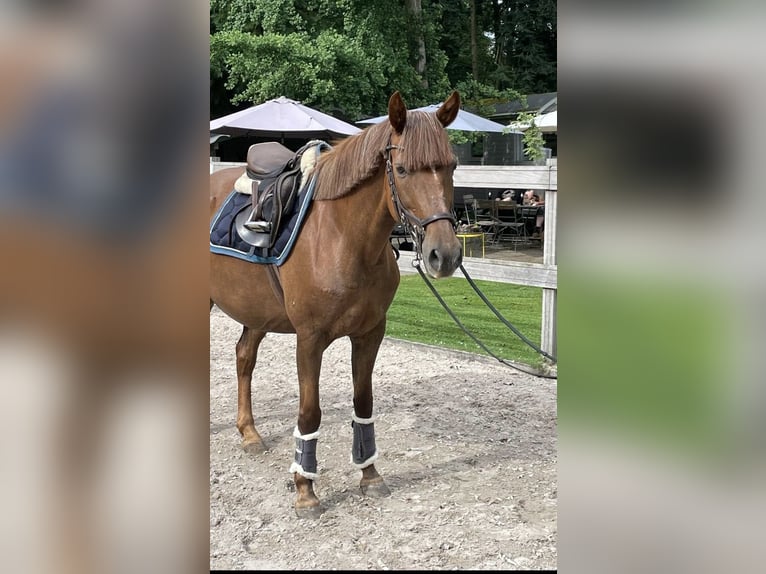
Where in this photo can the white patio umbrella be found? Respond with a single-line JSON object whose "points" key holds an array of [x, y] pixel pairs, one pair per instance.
{"points": [[546, 123], [280, 118], [465, 121]]}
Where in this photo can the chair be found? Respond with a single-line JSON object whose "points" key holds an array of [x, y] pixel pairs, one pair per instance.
{"points": [[513, 228], [468, 206], [484, 214], [499, 228], [480, 219], [529, 217]]}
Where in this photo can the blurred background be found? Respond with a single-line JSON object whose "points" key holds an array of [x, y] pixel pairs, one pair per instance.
{"points": [[103, 281], [661, 338]]}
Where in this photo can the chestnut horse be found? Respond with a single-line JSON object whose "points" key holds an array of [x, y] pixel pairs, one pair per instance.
{"points": [[341, 275]]}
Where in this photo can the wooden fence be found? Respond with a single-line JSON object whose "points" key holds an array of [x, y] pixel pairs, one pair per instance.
{"points": [[532, 274]]}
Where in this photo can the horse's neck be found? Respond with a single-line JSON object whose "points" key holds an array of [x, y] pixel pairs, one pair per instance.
{"points": [[363, 219]]}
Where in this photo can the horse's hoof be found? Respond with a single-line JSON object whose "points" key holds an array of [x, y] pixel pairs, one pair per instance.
{"points": [[309, 512], [254, 447], [375, 488]]}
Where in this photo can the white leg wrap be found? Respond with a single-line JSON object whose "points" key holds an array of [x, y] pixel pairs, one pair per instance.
{"points": [[310, 436], [366, 463], [295, 467], [362, 421]]}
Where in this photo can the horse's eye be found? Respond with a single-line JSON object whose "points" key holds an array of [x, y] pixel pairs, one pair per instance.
{"points": [[400, 170]]}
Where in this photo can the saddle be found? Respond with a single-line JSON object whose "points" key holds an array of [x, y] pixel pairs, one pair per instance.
{"points": [[274, 177]]}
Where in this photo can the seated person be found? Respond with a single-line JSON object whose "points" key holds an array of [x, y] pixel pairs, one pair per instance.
{"points": [[540, 217], [528, 197]]}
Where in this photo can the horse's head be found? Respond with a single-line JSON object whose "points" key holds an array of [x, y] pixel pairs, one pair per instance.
{"points": [[420, 164]]}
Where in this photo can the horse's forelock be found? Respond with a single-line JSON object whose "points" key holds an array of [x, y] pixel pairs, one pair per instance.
{"points": [[423, 144]]}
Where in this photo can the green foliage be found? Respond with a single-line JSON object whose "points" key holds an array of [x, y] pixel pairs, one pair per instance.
{"points": [[482, 98], [348, 56], [260, 16], [343, 56], [455, 39], [524, 44], [533, 137], [329, 72], [457, 137]]}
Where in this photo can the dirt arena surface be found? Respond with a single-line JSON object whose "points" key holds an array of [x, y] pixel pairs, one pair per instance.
{"points": [[467, 447]]}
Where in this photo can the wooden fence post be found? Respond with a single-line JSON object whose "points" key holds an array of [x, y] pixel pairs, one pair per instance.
{"points": [[548, 327]]}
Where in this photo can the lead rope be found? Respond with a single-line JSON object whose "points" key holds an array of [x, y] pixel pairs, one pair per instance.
{"points": [[416, 264], [503, 319]]}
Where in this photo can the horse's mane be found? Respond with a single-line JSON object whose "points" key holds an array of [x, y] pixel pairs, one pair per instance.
{"points": [[424, 143]]}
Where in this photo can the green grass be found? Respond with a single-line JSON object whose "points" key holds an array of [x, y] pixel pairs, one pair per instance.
{"points": [[416, 315]]}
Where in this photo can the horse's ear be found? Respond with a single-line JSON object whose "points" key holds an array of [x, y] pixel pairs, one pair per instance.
{"points": [[447, 113], [397, 112]]}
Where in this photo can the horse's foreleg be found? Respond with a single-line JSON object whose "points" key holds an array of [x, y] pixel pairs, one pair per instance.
{"points": [[364, 453], [304, 468], [247, 352]]}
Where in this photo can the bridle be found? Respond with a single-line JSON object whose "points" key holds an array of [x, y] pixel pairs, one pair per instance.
{"points": [[412, 224]]}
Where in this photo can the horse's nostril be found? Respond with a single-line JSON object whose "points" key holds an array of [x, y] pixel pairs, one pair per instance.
{"points": [[434, 259]]}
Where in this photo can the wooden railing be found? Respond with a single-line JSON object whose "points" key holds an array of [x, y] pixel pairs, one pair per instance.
{"points": [[532, 274]]}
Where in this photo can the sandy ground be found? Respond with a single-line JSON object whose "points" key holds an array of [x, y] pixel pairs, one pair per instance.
{"points": [[468, 449]]}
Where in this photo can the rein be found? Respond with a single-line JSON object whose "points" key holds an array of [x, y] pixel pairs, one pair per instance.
{"points": [[412, 224]]}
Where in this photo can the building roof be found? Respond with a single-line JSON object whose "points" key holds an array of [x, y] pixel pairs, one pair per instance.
{"points": [[535, 103]]}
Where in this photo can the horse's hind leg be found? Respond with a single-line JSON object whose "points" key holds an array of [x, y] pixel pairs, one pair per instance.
{"points": [[247, 352], [364, 351]]}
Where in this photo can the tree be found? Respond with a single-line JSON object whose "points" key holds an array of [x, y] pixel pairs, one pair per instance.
{"points": [[347, 56], [525, 44], [415, 9], [503, 43], [329, 72]]}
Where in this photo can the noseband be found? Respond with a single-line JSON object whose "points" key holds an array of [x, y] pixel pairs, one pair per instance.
{"points": [[412, 224]]}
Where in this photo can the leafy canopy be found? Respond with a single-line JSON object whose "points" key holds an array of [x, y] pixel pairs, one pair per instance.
{"points": [[346, 57]]}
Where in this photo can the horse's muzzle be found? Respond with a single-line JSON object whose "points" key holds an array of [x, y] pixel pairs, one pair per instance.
{"points": [[442, 253]]}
